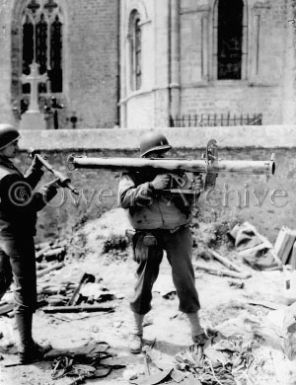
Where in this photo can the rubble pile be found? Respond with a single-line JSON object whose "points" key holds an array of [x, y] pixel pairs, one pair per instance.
{"points": [[212, 235], [221, 361], [242, 279], [116, 246], [82, 367]]}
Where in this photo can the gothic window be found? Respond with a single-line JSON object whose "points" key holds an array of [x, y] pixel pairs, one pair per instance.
{"points": [[135, 51], [42, 42], [230, 30]]}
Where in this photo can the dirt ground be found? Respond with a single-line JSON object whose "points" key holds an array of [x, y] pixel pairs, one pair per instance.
{"points": [[225, 307]]}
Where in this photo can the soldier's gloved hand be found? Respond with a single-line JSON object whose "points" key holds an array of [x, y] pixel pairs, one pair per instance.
{"points": [[36, 164], [49, 189], [161, 181]]}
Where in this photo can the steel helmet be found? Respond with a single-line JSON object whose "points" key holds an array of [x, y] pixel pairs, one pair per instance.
{"points": [[8, 134], [154, 142]]}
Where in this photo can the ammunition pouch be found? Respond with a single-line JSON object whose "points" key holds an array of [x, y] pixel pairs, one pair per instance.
{"points": [[143, 243]]}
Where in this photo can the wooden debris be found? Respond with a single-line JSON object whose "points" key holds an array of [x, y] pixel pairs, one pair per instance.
{"points": [[222, 272], [51, 250], [84, 279], [267, 304], [76, 309], [52, 254], [6, 308], [237, 285], [292, 258], [43, 272], [40, 253], [42, 245], [230, 265], [284, 243]]}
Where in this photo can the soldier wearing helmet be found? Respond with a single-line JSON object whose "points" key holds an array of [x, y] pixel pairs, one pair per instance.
{"points": [[18, 207], [161, 221]]}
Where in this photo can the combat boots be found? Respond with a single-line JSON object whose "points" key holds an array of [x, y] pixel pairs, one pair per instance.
{"points": [[29, 350], [136, 341], [32, 353], [135, 344]]}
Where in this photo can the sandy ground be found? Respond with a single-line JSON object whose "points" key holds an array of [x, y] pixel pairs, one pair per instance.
{"points": [[225, 307]]}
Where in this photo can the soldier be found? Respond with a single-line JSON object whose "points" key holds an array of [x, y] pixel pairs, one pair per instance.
{"points": [[18, 208], [162, 222]]}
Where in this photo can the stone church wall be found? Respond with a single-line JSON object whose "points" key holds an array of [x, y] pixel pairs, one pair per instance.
{"points": [[90, 60], [185, 80]]}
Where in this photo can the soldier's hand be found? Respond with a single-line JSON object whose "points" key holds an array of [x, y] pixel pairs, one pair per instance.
{"points": [[49, 190], [52, 185], [161, 181], [36, 163], [198, 182]]}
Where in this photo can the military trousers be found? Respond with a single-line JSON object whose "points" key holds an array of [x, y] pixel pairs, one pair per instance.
{"points": [[178, 247], [17, 262]]}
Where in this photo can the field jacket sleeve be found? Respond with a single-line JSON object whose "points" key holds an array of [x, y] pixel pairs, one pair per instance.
{"points": [[18, 197], [33, 175], [130, 195]]}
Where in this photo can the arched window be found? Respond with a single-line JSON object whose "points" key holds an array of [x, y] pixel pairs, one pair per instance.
{"points": [[42, 42], [230, 28], [135, 51]]}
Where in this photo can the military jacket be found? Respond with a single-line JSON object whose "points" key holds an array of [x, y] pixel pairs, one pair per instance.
{"points": [[150, 209], [18, 201]]}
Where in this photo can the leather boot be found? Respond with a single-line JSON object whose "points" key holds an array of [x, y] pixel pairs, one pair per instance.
{"points": [[136, 341]]}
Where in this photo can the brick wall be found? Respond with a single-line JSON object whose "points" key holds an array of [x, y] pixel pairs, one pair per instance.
{"points": [[91, 54], [93, 61]]}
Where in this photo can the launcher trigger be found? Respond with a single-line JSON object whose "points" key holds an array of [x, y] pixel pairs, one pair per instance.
{"points": [[211, 158]]}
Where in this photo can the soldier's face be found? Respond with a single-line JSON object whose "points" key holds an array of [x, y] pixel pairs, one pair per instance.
{"points": [[11, 150]]}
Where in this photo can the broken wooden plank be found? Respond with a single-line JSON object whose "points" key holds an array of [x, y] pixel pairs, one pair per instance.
{"points": [[42, 245], [40, 253], [230, 265], [267, 304], [43, 272], [76, 309], [6, 308], [292, 259], [56, 253], [284, 243], [222, 272]]}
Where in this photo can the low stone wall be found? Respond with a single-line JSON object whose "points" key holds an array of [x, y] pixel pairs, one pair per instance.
{"points": [[188, 137], [268, 204]]}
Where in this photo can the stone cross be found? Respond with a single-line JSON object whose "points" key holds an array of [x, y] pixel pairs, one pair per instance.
{"points": [[34, 79], [33, 6], [50, 5]]}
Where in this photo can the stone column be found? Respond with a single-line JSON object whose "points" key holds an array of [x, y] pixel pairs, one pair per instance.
{"points": [[6, 102], [174, 85], [289, 82]]}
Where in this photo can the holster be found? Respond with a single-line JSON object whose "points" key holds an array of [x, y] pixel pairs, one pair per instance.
{"points": [[143, 243]]}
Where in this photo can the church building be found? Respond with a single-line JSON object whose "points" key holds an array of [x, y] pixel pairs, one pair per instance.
{"points": [[207, 62], [76, 45], [149, 63]]}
